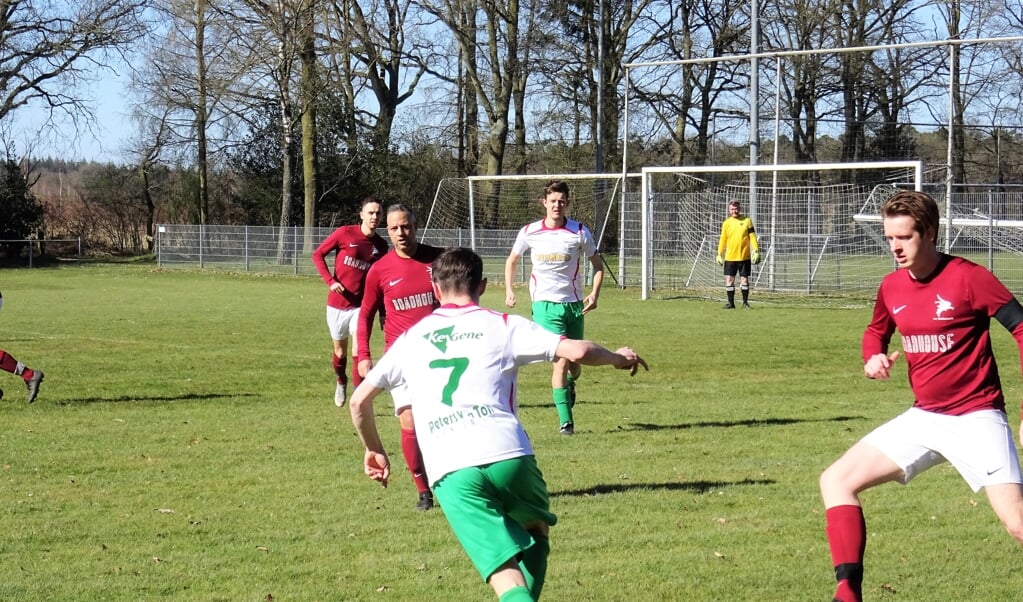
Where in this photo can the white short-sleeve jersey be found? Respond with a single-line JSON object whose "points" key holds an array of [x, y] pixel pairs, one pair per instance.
{"points": [[557, 255], [461, 367]]}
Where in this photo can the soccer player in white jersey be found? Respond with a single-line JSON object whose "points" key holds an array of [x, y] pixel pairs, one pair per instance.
{"points": [[558, 247], [463, 360]]}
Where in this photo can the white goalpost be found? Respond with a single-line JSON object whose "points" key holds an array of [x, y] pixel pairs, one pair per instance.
{"points": [[808, 219]]}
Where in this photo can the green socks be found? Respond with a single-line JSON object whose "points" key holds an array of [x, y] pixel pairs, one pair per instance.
{"points": [[516, 594], [562, 404]]}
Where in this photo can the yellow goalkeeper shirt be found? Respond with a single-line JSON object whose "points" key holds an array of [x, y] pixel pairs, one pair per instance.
{"points": [[737, 237]]}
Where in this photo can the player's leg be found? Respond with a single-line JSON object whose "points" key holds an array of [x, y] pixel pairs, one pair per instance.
{"points": [[337, 327], [730, 271], [410, 447], [551, 317], [574, 324], [744, 272], [522, 491], [861, 467], [32, 378], [888, 453], [486, 532], [982, 448]]}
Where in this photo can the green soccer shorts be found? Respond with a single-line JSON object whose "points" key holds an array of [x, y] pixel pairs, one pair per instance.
{"points": [[560, 318], [488, 505]]}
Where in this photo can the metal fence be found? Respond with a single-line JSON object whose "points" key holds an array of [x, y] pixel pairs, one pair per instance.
{"points": [[28, 251]]}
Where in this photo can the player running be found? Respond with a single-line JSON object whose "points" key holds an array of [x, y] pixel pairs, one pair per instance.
{"points": [[942, 307], [558, 245], [463, 362], [8, 363], [399, 287], [355, 248]]}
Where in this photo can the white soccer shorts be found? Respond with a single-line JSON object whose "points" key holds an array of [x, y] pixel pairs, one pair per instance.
{"points": [[979, 445]]}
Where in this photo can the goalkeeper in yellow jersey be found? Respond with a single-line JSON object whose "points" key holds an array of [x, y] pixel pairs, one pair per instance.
{"points": [[737, 248]]}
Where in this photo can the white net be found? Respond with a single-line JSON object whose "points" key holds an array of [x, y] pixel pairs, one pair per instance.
{"points": [[803, 215], [486, 212]]}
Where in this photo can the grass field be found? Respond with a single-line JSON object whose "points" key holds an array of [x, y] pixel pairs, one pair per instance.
{"points": [[185, 446]]}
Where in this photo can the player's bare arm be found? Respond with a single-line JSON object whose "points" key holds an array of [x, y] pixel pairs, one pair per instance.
{"points": [[879, 365], [376, 464], [590, 301], [509, 279], [592, 354]]}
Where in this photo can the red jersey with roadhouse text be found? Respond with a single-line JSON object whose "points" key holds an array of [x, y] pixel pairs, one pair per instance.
{"points": [[400, 287], [944, 323], [354, 253]]}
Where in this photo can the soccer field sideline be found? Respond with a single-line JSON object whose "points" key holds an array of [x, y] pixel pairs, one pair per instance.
{"points": [[208, 395]]}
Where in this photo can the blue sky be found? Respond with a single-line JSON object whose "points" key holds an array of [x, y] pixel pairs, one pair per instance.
{"points": [[112, 129]]}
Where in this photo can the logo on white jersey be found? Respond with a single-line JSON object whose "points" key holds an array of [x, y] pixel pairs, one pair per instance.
{"points": [[941, 306], [441, 337]]}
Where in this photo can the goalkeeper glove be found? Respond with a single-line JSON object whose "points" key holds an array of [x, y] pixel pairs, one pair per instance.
{"points": [[755, 256], [721, 260]]}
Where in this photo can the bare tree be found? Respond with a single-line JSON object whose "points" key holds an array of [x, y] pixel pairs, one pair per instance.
{"points": [[50, 50], [184, 84]]}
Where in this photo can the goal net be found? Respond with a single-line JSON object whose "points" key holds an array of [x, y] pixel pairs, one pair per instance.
{"points": [[486, 212], [803, 215]]}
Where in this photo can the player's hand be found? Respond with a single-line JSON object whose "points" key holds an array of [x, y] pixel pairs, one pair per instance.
{"points": [[364, 367], [377, 466], [509, 299], [720, 259], [879, 366], [755, 257], [337, 287], [630, 361], [589, 304]]}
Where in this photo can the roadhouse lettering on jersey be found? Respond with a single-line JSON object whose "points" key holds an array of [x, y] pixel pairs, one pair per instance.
{"points": [[359, 264], [413, 301], [930, 343], [460, 417], [441, 337]]}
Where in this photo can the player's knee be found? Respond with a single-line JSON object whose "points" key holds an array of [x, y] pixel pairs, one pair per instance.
{"points": [[832, 481], [1014, 525]]}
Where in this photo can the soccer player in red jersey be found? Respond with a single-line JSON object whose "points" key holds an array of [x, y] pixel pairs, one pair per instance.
{"points": [[399, 286], [355, 248], [31, 377], [942, 307]]}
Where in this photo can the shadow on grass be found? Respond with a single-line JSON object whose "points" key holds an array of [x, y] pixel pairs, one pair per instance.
{"points": [[695, 486], [644, 426], [550, 403], [149, 398]]}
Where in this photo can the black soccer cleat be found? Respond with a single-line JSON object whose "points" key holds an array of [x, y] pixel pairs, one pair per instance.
{"points": [[728, 306], [425, 502], [567, 429], [33, 385]]}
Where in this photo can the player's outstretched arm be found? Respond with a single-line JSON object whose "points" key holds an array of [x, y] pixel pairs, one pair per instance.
{"points": [[592, 354], [375, 462]]}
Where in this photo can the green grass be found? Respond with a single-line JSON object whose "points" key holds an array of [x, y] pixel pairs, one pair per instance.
{"points": [[185, 446]]}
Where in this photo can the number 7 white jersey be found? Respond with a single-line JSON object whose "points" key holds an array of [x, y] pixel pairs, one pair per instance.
{"points": [[461, 367]]}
